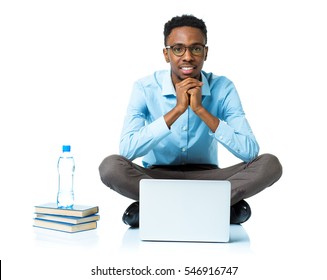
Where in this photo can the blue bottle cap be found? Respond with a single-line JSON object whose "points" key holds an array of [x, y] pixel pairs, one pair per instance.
{"points": [[66, 148]]}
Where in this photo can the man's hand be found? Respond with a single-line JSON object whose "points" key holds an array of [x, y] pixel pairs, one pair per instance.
{"points": [[188, 93]]}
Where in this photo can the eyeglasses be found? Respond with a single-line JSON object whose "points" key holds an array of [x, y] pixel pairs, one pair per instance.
{"points": [[180, 49]]}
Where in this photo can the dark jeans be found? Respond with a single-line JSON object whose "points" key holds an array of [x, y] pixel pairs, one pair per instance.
{"points": [[247, 179]]}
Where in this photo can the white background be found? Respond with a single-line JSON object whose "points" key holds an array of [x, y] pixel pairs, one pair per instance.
{"points": [[66, 73]]}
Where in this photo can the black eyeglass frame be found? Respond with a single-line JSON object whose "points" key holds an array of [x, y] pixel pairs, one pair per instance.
{"points": [[185, 47]]}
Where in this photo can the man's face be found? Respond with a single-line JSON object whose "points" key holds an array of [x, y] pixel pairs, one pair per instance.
{"points": [[188, 65]]}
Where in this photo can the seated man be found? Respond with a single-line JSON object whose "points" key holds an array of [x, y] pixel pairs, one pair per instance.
{"points": [[176, 118]]}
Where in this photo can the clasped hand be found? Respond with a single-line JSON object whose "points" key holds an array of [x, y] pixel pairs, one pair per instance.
{"points": [[189, 93]]}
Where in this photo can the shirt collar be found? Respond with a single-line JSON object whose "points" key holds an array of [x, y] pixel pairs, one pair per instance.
{"points": [[169, 89]]}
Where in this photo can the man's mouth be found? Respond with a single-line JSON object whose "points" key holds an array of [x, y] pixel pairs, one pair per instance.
{"points": [[187, 70]]}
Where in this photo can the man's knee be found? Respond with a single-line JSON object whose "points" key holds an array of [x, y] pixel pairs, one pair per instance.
{"points": [[273, 165], [109, 167]]}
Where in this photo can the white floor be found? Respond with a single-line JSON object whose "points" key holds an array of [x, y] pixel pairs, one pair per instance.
{"points": [[275, 242]]}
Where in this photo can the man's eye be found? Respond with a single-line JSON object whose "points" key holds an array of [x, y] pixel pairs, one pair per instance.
{"points": [[178, 49], [197, 49]]}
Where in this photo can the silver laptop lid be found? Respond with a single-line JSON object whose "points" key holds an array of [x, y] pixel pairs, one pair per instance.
{"points": [[185, 210]]}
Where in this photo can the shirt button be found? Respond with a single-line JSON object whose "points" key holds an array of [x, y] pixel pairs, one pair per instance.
{"points": [[220, 137], [184, 128], [183, 149]]}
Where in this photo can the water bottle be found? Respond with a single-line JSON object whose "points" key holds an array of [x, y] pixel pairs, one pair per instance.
{"points": [[66, 168]]}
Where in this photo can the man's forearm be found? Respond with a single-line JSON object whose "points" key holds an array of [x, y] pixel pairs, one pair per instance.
{"points": [[211, 121], [172, 116]]}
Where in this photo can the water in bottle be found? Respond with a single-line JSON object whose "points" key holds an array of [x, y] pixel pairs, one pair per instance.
{"points": [[66, 168]]}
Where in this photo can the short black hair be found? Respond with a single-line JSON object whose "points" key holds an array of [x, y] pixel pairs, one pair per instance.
{"points": [[184, 20]]}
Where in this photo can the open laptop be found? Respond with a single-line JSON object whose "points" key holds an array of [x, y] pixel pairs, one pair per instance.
{"points": [[185, 210]]}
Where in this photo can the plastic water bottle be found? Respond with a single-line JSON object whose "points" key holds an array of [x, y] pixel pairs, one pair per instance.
{"points": [[66, 168]]}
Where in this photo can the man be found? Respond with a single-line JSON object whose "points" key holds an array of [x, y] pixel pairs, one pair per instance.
{"points": [[176, 118]]}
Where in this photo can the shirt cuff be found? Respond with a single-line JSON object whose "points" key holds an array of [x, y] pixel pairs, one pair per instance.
{"points": [[159, 128], [223, 134]]}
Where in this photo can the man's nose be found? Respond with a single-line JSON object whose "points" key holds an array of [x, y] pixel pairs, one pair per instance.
{"points": [[188, 55]]}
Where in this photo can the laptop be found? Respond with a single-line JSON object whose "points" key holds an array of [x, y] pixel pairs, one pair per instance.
{"points": [[184, 210]]}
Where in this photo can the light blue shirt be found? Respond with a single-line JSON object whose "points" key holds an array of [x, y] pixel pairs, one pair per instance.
{"points": [[189, 140]]}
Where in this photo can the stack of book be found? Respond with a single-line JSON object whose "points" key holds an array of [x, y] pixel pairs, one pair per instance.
{"points": [[79, 218]]}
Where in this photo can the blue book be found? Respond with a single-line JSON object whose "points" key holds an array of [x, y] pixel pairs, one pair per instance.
{"points": [[68, 219], [76, 211]]}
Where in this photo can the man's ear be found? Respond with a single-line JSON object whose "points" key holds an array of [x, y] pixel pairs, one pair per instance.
{"points": [[206, 53], [165, 52]]}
